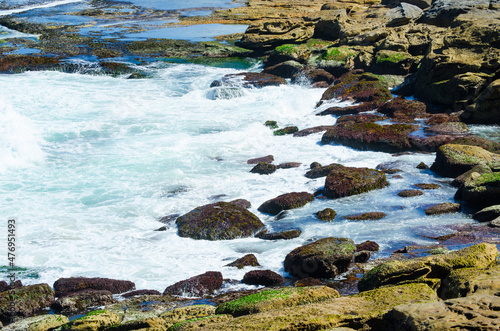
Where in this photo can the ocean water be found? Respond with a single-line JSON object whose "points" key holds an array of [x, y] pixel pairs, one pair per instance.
{"points": [[91, 163]]}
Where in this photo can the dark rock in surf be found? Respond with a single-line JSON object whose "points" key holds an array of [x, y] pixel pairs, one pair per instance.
{"points": [[286, 201], [197, 286], [263, 277]]}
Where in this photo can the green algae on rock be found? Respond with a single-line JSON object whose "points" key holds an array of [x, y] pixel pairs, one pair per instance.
{"points": [[285, 202], [326, 214], [24, 301], [324, 258], [218, 221], [247, 260], [482, 191], [94, 321], [347, 181]]}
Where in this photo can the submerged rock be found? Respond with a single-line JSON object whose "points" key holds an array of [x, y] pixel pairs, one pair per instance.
{"points": [[197, 286], [346, 181], [324, 258], [286, 201], [218, 221]]}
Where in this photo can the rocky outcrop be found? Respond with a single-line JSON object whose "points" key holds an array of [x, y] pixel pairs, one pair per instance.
{"points": [[470, 281], [247, 260], [482, 191], [453, 160], [38, 323], [262, 277], [487, 214], [403, 110], [25, 301], [177, 315], [66, 286], [403, 14], [347, 181], [324, 258], [94, 321], [486, 108], [218, 221], [197, 286], [285, 202], [430, 270], [79, 301]]}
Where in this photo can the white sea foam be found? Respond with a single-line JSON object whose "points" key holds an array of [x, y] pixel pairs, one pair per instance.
{"points": [[111, 156]]}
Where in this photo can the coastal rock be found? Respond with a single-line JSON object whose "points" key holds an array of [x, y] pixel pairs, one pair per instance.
{"points": [[372, 216], [249, 79], [25, 301], [487, 214], [422, 166], [403, 14], [448, 128], [247, 260], [152, 323], [359, 87], [197, 286], [443, 12], [271, 33], [277, 299], [285, 69], [410, 193], [286, 201], [453, 160], [362, 256], [242, 203], [443, 208], [263, 168], [472, 174], [430, 269], [322, 171], [94, 321], [470, 281], [282, 235], [312, 75], [432, 143], [218, 221], [482, 191], [427, 186], [390, 62], [66, 286], [434, 119], [478, 312], [494, 223], [140, 292], [367, 246], [181, 314], [265, 159], [347, 181], [289, 165], [38, 323], [403, 110], [324, 258], [12, 64], [326, 214], [78, 301], [263, 277], [316, 129], [285, 131], [371, 136], [487, 105]]}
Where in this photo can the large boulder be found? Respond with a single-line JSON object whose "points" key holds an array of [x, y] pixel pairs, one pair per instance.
{"points": [[286, 201], [391, 138], [66, 286], [430, 269], [271, 33], [453, 160], [25, 301], [218, 221], [478, 312], [324, 258], [197, 286], [347, 181], [482, 191]]}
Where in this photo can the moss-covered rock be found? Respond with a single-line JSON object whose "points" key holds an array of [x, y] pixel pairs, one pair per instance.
{"points": [[448, 128], [263, 168], [326, 214], [470, 281], [472, 174], [96, 320], [322, 171], [150, 324], [200, 323], [482, 191], [38, 323], [453, 160], [410, 193], [276, 299], [487, 214], [12, 64], [218, 221], [395, 62], [187, 313], [247, 260], [403, 110], [372, 216], [24, 301], [443, 208], [197, 286], [371, 136], [347, 181], [78, 301], [285, 131], [324, 258], [286, 201], [430, 270]]}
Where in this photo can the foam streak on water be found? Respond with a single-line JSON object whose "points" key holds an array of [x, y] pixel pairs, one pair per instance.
{"points": [[93, 162], [36, 5]]}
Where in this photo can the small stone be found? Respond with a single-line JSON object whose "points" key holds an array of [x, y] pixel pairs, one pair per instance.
{"points": [[367, 246], [410, 193], [430, 186], [289, 234], [422, 166], [271, 124], [285, 131], [315, 165], [375, 215], [443, 208], [247, 260], [266, 159], [264, 168]]}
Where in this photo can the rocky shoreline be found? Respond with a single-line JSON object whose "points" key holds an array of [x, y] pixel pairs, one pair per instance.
{"points": [[445, 53]]}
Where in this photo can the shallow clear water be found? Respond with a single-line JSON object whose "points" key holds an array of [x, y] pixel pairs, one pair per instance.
{"points": [[90, 163]]}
